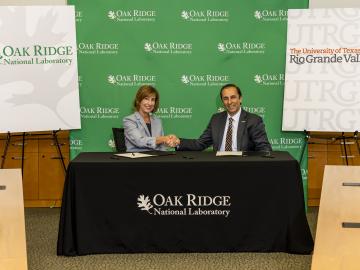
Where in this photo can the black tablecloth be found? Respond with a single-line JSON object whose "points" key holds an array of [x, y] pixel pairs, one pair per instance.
{"points": [[197, 202]]}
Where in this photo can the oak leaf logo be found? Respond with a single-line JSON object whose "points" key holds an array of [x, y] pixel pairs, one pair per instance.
{"points": [[111, 143], [112, 15], [221, 47], [257, 15], [185, 15], [144, 203], [185, 79], [257, 78], [148, 47], [111, 79]]}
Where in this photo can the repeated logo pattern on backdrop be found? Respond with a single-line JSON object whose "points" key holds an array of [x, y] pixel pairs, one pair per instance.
{"points": [[187, 50]]}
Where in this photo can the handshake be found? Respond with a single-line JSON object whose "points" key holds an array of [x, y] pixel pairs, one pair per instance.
{"points": [[171, 140]]}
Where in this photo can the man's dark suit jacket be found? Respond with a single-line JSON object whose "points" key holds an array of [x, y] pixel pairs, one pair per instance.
{"points": [[251, 134]]}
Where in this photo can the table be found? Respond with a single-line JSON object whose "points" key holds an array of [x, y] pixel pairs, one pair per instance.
{"points": [[12, 221], [184, 202], [337, 246]]}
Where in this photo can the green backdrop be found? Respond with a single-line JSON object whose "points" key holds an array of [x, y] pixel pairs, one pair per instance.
{"points": [[188, 50]]}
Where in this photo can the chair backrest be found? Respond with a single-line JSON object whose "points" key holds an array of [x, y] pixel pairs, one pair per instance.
{"points": [[119, 138]]}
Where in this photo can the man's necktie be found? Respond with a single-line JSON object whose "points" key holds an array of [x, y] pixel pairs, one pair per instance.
{"points": [[228, 142]]}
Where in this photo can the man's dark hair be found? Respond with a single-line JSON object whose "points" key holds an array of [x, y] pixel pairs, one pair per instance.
{"points": [[230, 85]]}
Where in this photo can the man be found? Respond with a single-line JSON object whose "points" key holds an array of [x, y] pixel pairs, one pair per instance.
{"points": [[231, 130]]}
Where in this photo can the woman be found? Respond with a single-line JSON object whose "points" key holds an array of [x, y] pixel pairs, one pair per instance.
{"points": [[143, 130]]}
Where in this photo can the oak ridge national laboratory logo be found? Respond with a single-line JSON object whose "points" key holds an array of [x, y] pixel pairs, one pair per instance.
{"points": [[185, 205], [79, 15], [286, 143], [204, 79], [76, 144], [174, 112], [80, 80], [256, 110], [144, 203], [260, 110], [304, 174], [168, 47], [111, 143], [131, 79], [36, 55], [267, 15], [266, 79], [241, 48], [98, 48], [134, 15], [205, 15], [99, 112]]}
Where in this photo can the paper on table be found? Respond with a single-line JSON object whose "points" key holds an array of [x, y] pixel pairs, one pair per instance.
{"points": [[134, 155], [229, 153]]}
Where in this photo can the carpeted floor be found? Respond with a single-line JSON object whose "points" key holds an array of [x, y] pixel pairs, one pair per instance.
{"points": [[41, 234]]}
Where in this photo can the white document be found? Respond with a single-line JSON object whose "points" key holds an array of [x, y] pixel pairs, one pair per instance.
{"points": [[134, 155], [229, 153]]}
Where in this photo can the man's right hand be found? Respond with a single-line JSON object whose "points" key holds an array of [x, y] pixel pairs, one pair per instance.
{"points": [[172, 140]]}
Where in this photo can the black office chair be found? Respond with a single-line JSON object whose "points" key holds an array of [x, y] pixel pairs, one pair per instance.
{"points": [[119, 138]]}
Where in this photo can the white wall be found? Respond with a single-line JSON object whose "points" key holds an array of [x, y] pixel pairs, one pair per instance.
{"points": [[31, 2], [334, 3]]}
